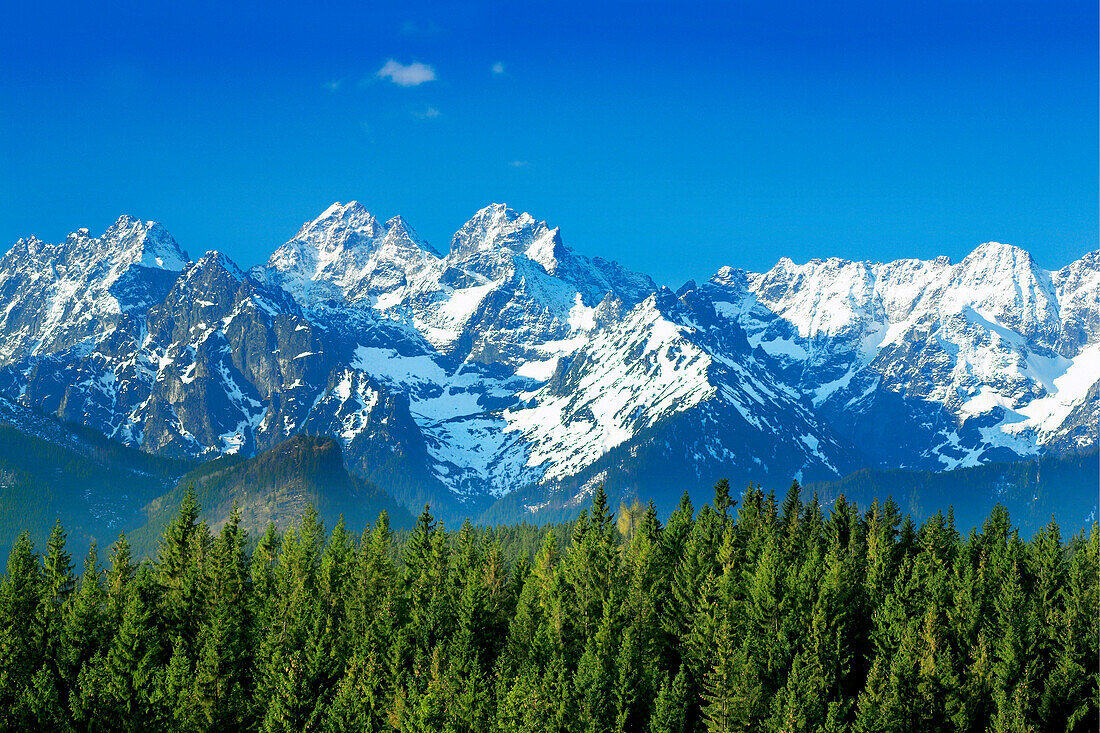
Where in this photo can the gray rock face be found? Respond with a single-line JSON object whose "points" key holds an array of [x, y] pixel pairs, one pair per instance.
{"points": [[57, 295], [969, 363], [220, 364], [513, 365]]}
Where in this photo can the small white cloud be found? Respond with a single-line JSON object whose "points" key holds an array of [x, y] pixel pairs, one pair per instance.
{"points": [[518, 163], [427, 114], [498, 68], [332, 86], [410, 75]]}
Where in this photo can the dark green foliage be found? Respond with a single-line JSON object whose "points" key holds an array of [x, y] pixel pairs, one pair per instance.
{"points": [[274, 486], [76, 479], [1063, 486], [750, 616], [96, 486]]}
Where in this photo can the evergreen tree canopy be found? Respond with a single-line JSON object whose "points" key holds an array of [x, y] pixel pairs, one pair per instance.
{"points": [[748, 615]]}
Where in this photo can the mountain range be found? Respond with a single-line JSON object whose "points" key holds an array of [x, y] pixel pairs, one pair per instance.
{"points": [[508, 376]]}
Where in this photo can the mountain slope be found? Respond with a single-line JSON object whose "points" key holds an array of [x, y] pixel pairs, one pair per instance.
{"points": [[275, 486], [95, 486], [982, 360], [511, 370], [1066, 488]]}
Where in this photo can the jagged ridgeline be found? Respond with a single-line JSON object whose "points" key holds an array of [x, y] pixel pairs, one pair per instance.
{"points": [[506, 375], [761, 615]]}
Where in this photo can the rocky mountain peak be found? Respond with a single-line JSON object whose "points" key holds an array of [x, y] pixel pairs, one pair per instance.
{"points": [[401, 235], [1000, 252], [352, 216], [397, 226], [129, 241], [1082, 275], [340, 229], [144, 243], [515, 361], [1004, 283], [497, 228], [731, 277], [215, 261], [59, 295], [325, 249]]}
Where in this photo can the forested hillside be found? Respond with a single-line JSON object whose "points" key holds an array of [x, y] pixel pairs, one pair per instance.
{"points": [[1065, 487], [275, 486], [768, 615], [96, 486]]}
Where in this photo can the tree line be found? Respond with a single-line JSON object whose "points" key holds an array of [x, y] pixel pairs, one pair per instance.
{"points": [[760, 616]]}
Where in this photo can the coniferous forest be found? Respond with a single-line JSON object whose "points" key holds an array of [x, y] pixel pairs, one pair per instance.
{"points": [[759, 615]]}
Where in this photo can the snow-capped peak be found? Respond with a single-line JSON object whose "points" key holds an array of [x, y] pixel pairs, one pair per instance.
{"points": [[346, 251], [215, 260], [401, 234], [352, 211], [147, 244], [338, 209], [58, 295], [999, 251], [398, 225], [498, 227], [103, 259], [339, 231], [341, 225], [1005, 284]]}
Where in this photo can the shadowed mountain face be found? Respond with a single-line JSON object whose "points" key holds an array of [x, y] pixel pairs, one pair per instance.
{"points": [[98, 488], [1034, 491], [276, 487], [511, 370]]}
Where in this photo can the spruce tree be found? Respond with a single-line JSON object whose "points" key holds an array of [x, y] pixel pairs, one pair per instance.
{"points": [[221, 686], [21, 655], [181, 570], [119, 577], [591, 566], [86, 629], [58, 583], [723, 502], [132, 661], [1012, 667], [1071, 694], [671, 706], [594, 680]]}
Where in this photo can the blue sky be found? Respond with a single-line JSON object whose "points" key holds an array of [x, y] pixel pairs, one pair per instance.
{"points": [[674, 137]]}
